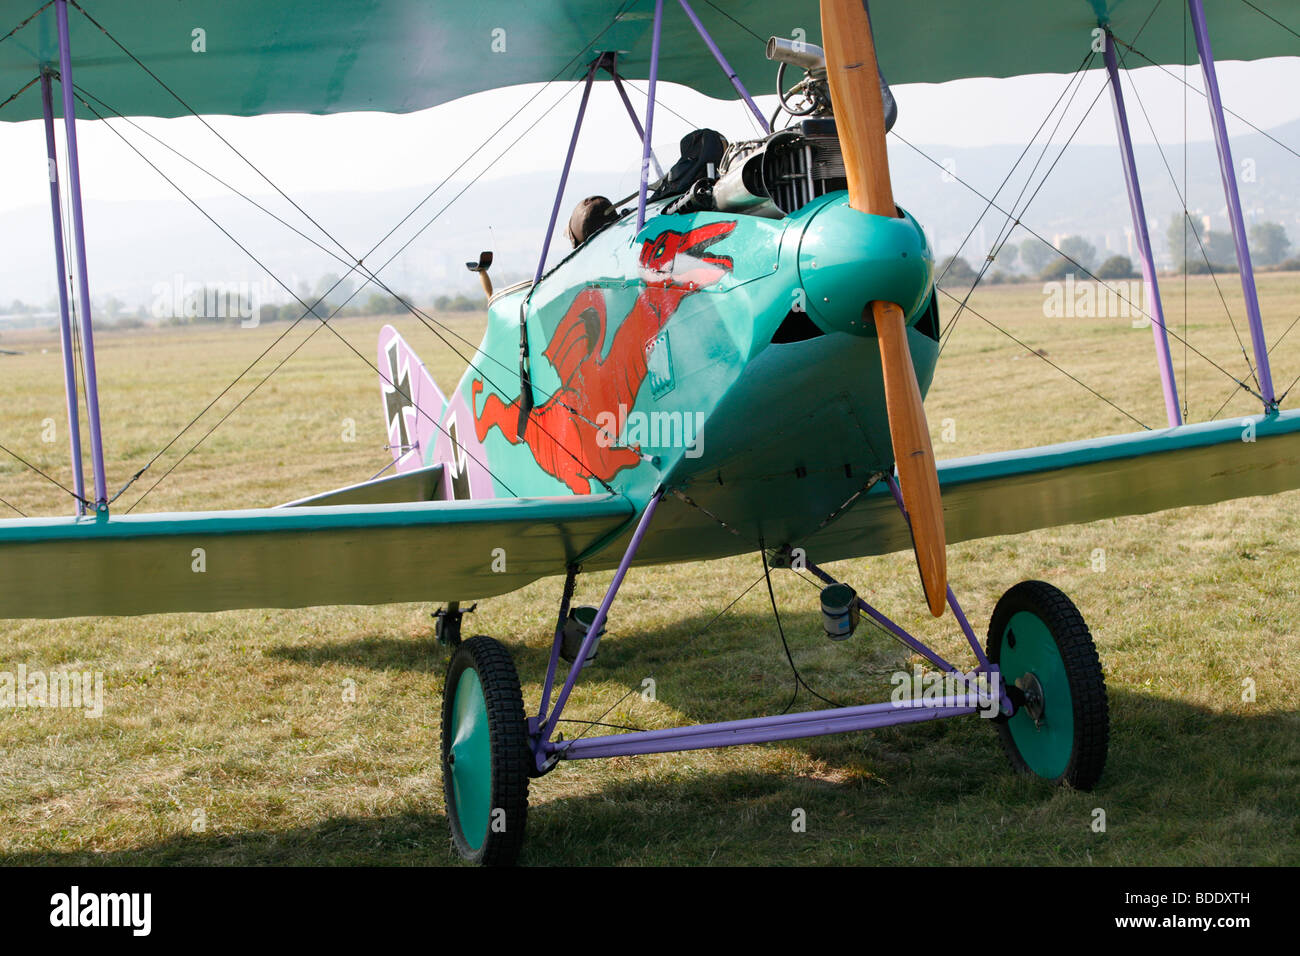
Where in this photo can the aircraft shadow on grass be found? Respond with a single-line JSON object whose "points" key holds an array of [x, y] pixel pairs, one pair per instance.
{"points": [[879, 795]]}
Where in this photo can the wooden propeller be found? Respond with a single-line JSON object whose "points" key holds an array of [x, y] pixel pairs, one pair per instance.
{"points": [[860, 118]]}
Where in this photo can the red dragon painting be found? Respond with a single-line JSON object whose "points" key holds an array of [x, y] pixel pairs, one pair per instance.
{"points": [[562, 432]]}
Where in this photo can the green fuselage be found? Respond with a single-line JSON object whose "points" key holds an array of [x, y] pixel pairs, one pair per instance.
{"points": [[725, 356]]}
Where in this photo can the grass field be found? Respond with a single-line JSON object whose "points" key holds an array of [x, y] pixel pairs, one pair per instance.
{"points": [[229, 738]]}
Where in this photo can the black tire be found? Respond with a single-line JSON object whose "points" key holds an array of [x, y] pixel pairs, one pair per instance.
{"points": [[1088, 733], [509, 754]]}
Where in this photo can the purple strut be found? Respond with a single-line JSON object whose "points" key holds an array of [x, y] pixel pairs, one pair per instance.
{"points": [[726, 67], [79, 244], [652, 90], [985, 664], [65, 321], [1228, 171], [1158, 330], [890, 626], [564, 175], [593, 631], [758, 730], [636, 123]]}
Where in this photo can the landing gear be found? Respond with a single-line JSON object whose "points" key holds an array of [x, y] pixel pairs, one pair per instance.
{"points": [[446, 623], [485, 753], [1051, 671]]}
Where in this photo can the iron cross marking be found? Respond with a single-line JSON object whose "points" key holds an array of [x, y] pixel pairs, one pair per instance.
{"points": [[398, 398], [459, 473]]}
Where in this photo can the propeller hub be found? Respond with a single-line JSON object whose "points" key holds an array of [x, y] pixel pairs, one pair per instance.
{"points": [[849, 258]]}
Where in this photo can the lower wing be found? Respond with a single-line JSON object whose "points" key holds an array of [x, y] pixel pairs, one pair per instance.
{"points": [[299, 556], [1076, 482]]}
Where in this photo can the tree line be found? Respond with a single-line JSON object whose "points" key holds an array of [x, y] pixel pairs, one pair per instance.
{"points": [[1194, 249]]}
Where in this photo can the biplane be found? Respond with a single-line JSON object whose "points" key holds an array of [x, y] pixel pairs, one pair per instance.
{"points": [[731, 360]]}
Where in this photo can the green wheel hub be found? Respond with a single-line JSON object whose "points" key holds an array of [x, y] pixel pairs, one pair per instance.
{"points": [[470, 761], [1043, 729], [1061, 726], [486, 754]]}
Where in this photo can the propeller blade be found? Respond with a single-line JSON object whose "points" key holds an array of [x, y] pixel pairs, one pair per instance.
{"points": [[913, 454], [854, 80]]}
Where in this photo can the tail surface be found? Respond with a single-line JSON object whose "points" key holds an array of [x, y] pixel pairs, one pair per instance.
{"points": [[413, 403], [424, 428]]}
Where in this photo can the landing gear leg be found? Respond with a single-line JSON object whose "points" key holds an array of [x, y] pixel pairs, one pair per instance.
{"points": [[446, 623]]}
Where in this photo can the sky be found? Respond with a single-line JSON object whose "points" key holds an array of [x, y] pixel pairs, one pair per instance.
{"points": [[380, 151]]}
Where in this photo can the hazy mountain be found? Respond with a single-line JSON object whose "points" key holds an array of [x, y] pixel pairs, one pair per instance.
{"points": [[135, 246], [1085, 194]]}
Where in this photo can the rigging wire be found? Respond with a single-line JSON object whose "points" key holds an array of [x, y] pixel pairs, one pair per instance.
{"points": [[326, 322], [370, 277], [1036, 352], [428, 320], [1088, 272], [13, 96], [1078, 74], [1273, 18], [54, 481], [659, 102], [1012, 218], [360, 261], [1285, 391], [1010, 225], [34, 15], [760, 39], [1181, 194], [1193, 88], [309, 310]]}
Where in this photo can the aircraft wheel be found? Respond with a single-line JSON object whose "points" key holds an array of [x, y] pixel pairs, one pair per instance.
{"points": [[1050, 669], [485, 753]]}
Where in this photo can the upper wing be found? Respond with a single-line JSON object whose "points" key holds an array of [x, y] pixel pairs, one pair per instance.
{"points": [[296, 556], [1075, 482], [246, 57]]}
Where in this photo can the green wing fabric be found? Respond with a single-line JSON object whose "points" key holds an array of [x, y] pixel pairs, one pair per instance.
{"points": [[1077, 482], [247, 57]]}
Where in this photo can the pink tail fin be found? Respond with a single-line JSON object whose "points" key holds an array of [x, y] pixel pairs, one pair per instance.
{"points": [[424, 428], [413, 403]]}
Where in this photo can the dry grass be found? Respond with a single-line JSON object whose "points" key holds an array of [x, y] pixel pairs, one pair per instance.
{"points": [[243, 716]]}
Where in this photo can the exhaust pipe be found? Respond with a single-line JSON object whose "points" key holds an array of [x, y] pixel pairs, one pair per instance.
{"points": [[808, 56]]}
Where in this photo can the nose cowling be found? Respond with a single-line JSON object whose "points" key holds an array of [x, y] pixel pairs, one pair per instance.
{"points": [[849, 258]]}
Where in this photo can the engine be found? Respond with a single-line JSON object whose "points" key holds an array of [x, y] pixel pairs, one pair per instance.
{"points": [[782, 172], [789, 168]]}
